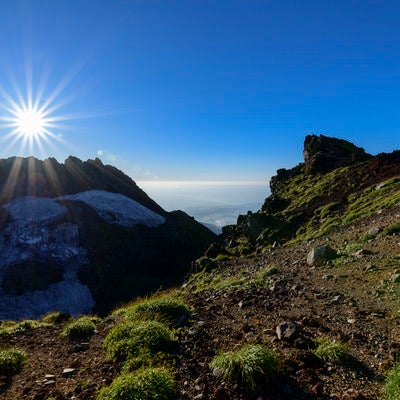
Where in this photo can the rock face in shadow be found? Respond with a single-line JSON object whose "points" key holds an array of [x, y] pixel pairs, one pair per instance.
{"points": [[32, 177], [323, 154], [81, 237]]}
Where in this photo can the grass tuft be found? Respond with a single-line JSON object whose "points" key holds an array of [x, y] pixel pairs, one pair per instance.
{"points": [[11, 361], [166, 308], [250, 366], [12, 327], [392, 229], [391, 389], [56, 317], [332, 351], [146, 384], [137, 340], [80, 329]]}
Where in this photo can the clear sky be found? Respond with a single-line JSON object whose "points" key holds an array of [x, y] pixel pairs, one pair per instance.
{"points": [[201, 90]]}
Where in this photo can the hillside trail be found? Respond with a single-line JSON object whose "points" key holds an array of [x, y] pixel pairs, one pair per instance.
{"points": [[354, 299]]}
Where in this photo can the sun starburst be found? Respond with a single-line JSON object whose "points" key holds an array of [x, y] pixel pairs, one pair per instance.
{"points": [[30, 122]]}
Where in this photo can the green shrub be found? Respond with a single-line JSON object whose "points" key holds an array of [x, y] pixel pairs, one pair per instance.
{"points": [[391, 389], [11, 361], [391, 229], [11, 327], [334, 352], [166, 308], [146, 384], [80, 329], [249, 366], [56, 317], [137, 339]]}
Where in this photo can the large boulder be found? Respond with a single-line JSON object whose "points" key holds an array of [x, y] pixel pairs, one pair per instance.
{"points": [[320, 255]]}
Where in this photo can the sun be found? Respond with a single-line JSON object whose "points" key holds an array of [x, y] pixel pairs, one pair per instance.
{"points": [[30, 123]]}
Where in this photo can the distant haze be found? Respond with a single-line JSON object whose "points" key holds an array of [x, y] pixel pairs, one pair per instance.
{"points": [[216, 203]]}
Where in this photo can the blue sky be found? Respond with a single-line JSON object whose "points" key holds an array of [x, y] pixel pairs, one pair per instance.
{"points": [[204, 90]]}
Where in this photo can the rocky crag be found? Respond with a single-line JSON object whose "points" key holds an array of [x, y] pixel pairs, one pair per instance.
{"points": [[337, 183]]}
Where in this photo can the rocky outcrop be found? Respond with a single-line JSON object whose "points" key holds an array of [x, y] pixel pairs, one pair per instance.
{"points": [[323, 154], [314, 193]]}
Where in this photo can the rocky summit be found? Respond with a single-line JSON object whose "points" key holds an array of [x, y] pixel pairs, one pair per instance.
{"points": [[299, 300], [81, 237], [337, 183]]}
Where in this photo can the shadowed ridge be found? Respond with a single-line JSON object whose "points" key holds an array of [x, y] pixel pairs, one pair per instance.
{"points": [[32, 177]]}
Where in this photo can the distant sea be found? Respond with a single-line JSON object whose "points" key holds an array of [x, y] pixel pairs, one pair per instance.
{"points": [[215, 217], [212, 203]]}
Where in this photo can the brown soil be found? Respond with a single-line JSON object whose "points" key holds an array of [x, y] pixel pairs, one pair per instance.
{"points": [[354, 300]]}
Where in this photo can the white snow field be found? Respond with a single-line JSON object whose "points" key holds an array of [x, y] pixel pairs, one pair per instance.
{"points": [[118, 209]]}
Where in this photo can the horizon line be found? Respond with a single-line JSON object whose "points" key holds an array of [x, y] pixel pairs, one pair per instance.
{"points": [[201, 182]]}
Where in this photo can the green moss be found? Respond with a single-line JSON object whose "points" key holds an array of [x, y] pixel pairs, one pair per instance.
{"points": [[391, 389]]}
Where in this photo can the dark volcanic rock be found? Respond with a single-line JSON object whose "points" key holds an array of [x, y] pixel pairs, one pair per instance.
{"points": [[29, 276], [323, 154]]}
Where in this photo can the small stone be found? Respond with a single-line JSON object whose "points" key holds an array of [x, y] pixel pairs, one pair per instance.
{"points": [[374, 231], [286, 331], [217, 372], [352, 394], [317, 389], [396, 278], [221, 394], [68, 371], [362, 252]]}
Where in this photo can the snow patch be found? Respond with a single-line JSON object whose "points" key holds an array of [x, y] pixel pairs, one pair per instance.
{"points": [[31, 210], [67, 296], [118, 209], [37, 232]]}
